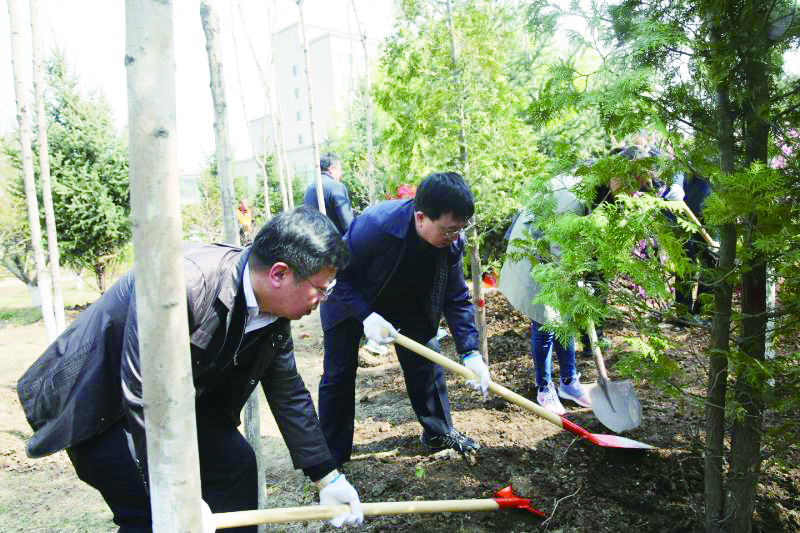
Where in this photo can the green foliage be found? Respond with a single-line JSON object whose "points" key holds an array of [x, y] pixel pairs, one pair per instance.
{"points": [[460, 115], [16, 250], [89, 171]]}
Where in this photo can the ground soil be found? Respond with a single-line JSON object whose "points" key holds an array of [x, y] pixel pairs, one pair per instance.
{"points": [[579, 485]]}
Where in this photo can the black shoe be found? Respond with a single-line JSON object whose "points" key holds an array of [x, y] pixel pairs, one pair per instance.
{"points": [[452, 439]]}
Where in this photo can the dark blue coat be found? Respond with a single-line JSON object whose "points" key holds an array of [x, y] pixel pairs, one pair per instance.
{"points": [[377, 242], [337, 201]]}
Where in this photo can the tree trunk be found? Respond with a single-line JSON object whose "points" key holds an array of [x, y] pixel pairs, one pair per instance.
{"points": [[368, 102], [475, 257], [100, 276], [42, 278], [259, 155], [44, 172], [713, 478], [167, 385], [311, 118], [210, 20], [209, 17], [745, 466]]}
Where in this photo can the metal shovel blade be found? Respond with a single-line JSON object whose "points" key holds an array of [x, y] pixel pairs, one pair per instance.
{"points": [[622, 412]]}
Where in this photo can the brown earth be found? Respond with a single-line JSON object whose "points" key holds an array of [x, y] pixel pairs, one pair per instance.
{"points": [[581, 486]]}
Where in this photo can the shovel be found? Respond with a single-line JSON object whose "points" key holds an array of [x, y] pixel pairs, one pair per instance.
{"points": [[609, 441], [685, 208], [504, 499], [614, 403]]}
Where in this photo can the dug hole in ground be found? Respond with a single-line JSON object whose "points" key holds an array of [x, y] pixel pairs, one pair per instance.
{"points": [[581, 486]]}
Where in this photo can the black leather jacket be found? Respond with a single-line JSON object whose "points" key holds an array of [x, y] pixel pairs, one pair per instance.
{"points": [[89, 377]]}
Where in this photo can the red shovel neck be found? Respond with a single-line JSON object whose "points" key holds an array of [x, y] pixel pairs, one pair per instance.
{"points": [[506, 499]]}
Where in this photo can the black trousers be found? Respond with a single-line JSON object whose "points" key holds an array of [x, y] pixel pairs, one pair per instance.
{"points": [[425, 382], [228, 473]]}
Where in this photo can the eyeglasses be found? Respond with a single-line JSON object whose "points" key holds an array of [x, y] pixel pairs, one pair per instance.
{"points": [[325, 291], [449, 234]]}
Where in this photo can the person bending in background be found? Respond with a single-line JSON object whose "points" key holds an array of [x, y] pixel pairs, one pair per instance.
{"points": [[406, 270]]}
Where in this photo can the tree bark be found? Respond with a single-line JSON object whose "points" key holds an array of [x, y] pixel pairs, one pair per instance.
{"points": [[720, 335], [745, 466], [311, 118], [259, 155], [42, 277], [44, 172], [475, 257], [210, 20], [368, 102], [167, 385]]}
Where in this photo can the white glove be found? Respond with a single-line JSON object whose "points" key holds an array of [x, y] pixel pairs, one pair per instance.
{"points": [[374, 326], [474, 361], [340, 491], [208, 518], [675, 192]]}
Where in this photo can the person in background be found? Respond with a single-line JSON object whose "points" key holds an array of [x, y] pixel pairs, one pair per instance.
{"points": [[406, 272], [520, 288], [337, 199], [84, 394], [245, 219]]}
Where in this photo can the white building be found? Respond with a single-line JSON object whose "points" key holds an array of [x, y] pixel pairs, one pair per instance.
{"points": [[337, 67]]}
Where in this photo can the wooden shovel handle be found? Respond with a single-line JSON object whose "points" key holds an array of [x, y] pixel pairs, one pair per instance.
{"points": [[710, 241], [326, 512], [496, 388], [598, 355]]}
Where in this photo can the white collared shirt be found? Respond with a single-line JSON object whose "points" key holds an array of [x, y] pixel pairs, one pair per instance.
{"points": [[255, 319]]}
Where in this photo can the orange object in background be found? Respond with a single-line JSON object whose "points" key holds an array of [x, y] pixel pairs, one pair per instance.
{"points": [[489, 280]]}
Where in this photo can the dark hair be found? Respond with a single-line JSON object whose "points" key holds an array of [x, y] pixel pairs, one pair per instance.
{"points": [[442, 193], [304, 239], [328, 160]]}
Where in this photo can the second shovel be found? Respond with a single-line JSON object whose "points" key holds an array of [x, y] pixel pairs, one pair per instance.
{"points": [[614, 403]]}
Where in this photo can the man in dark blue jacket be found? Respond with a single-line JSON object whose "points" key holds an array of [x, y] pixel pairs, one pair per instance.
{"points": [[84, 394], [406, 270], [337, 200]]}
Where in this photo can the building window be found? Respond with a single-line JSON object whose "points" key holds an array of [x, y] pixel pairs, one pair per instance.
{"points": [[294, 70], [297, 93], [299, 115], [345, 58], [299, 139]]}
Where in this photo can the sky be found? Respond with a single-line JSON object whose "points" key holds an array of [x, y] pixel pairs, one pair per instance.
{"points": [[92, 33]]}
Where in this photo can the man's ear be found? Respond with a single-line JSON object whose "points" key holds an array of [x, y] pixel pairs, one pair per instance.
{"points": [[279, 273]]}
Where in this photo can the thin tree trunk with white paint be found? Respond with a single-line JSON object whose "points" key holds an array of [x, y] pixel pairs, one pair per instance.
{"points": [[258, 155], [368, 102], [311, 118], [44, 172], [167, 385], [42, 277], [210, 20]]}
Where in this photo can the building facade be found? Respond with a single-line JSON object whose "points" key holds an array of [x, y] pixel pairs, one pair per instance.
{"points": [[337, 69]]}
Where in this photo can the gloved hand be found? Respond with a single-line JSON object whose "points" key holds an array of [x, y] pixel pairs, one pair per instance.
{"points": [[474, 361], [208, 518], [374, 325], [340, 491], [675, 192]]}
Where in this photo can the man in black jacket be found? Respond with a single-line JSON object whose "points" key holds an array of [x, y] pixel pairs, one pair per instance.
{"points": [[337, 200], [84, 394], [406, 271]]}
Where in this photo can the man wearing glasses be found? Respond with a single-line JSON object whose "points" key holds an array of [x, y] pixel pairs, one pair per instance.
{"points": [[84, 394], [405, 272]]}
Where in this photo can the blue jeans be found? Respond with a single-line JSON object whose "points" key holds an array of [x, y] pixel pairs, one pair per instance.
{"points": [[542, 343]]}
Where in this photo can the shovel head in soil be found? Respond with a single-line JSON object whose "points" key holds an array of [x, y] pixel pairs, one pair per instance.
{"points": [[619, 410]]}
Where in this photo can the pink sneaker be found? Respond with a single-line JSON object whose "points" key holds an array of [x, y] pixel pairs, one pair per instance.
{"points": [[574, 391], [549, 400]]}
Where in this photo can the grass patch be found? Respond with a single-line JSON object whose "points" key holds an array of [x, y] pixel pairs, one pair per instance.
{"points": [[19, 316]]}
